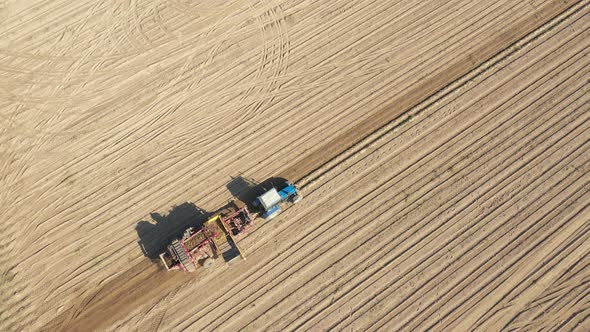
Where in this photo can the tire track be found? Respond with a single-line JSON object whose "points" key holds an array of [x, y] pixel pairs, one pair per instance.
{"points": [[120, 196]]}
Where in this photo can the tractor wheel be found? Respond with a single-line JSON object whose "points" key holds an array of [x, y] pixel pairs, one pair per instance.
{"points": [[208, 263], [295, 199]]}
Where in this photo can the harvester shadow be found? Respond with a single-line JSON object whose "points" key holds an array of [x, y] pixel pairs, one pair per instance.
{"points": [[246, 190], [156, 235]]}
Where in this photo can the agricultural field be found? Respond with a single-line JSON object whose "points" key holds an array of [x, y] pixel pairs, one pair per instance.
{"points": [[442, 149]]}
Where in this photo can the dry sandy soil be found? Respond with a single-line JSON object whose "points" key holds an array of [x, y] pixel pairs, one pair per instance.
{"points": [[443, 149]]}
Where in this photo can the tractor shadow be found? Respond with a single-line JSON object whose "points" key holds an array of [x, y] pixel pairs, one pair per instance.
{"points": [[246, 190], [155, 235]]}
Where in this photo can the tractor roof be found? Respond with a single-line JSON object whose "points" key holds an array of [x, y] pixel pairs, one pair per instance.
{"points": [[269, 199]]}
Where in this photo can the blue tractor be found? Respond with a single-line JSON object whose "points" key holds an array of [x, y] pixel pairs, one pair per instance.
{"points": [[270, 202]]}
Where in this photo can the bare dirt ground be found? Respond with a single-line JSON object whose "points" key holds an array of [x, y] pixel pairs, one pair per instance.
{"points": [[442, 149]]}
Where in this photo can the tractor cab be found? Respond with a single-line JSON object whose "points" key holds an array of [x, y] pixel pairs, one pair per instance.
{"points": [[270, 202]]}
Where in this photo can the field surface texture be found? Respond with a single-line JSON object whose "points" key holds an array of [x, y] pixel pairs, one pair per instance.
{"points": [[442, 149]]}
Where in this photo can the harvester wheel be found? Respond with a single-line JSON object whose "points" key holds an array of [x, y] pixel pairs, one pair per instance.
{"points": [[208, 263]]}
